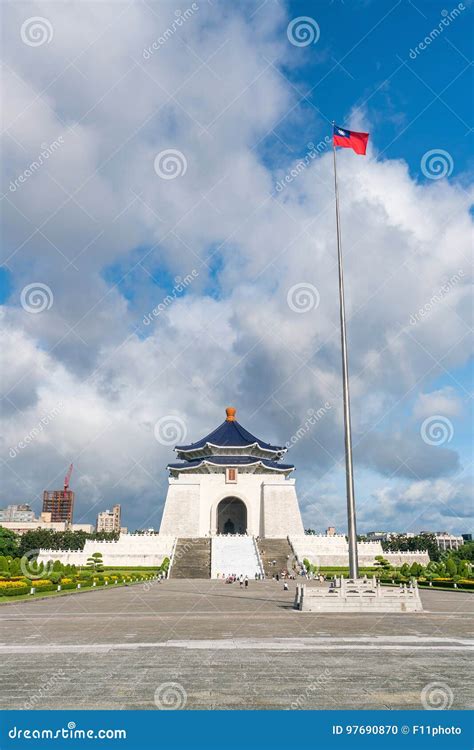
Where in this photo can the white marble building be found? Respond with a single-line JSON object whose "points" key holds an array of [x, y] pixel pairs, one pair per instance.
{"points": [[230, 482]]}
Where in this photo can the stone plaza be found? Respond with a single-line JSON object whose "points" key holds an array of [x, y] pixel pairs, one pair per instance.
{"points": [[205, 644]]}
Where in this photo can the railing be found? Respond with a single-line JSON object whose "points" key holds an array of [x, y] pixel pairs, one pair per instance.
{"points": [[259, 559], [173, 550]]}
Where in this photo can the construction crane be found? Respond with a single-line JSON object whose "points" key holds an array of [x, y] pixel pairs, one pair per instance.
{"points": [[67, 478]]}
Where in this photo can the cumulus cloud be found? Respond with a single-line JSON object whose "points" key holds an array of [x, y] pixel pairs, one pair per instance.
{"points": [[108, 235], [444, 401]]}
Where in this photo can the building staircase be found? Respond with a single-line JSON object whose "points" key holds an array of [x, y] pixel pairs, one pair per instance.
{"points": [[203, 557], [236, 555], [192, 558], [277, 556]]}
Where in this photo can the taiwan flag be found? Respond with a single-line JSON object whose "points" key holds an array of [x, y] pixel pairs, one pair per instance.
{"points": [[350, 139]]}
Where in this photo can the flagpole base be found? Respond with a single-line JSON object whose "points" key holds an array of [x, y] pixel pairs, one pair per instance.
{"points": [[358, 595]]}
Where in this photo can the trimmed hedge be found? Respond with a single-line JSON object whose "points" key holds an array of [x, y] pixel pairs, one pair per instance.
{"points": [[43, 585], [13, 589]]}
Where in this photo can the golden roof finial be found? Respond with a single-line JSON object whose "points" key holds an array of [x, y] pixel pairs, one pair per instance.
{"points": [[230, 411]]}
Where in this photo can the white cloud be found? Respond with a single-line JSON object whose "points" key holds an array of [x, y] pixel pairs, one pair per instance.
{"points": [[232, 338], [444, 401]]}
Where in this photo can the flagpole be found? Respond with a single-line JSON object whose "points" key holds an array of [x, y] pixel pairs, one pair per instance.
{"points": [[351, 514]]}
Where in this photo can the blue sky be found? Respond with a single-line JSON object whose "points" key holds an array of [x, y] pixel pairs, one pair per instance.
{"points": [[362, 60], [107, 235]]}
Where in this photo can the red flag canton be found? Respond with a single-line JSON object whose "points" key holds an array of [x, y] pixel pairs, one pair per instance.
{"points": [[350, 139]]}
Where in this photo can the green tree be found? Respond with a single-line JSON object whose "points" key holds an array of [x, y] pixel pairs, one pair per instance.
{"points": [[465, 552], [8, 542], [95, 562], [382, 563], [451, 567], [405, 570], [464, 568], [105, 536], [15, 568], [402, 543], [36, 539], [416, 569]]}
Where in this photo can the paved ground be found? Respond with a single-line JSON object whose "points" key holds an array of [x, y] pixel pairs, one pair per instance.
{"points": [[222, 647]]}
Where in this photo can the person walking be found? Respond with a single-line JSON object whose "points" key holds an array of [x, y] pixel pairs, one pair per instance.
{"points": [[241, 580], [246, 582]]}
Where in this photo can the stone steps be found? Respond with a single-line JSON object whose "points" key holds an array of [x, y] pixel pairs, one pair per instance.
{"points": [[277, 556], [192, 558], [234, 555]]}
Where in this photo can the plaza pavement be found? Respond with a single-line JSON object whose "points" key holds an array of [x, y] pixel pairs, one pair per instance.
{"points": [[208, 645]]}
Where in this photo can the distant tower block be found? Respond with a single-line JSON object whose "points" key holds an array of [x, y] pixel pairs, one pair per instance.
{"points": [[60, 503], [109, 520], [231, 482]]}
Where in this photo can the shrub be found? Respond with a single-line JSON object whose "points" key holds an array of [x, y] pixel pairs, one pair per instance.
{"points": [[43, 584], [466, 584], [451, 567], [68, 583], [13, 588]]}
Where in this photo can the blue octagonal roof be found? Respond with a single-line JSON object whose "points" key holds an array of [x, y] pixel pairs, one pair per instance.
{"points": [[230, 434]]}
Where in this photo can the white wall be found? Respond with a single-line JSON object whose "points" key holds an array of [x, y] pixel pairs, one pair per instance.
{"points": [[181, 511], [281, 513], [326, 551], [192, 501], [131, 549]]}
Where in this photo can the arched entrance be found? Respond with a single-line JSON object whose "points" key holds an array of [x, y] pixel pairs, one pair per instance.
{"points": [[231, 516]]}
